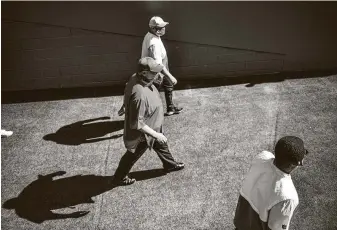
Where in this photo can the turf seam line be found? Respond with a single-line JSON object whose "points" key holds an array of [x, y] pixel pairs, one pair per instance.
{"points": [[101, 199]]}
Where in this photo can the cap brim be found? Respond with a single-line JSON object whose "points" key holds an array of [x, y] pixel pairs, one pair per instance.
{"points": [[156, 68], [163, 24]]}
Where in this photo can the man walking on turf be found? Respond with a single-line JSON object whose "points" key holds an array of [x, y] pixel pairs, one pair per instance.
{"points": [[143, 127], [268, 196]]}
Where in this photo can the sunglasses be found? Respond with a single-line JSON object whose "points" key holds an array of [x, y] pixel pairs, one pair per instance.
{"points": [[159, 28], [153, 72]]}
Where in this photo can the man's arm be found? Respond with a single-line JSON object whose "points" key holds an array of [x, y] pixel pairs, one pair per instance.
{"points": [[158, 136], [280, 215], [156, 55], [170, 76], [137, 113]]}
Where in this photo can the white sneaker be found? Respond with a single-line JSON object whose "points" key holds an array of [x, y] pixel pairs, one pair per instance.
{"points": [[6, 133]]}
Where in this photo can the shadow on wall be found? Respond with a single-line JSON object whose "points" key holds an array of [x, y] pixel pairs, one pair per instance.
{"points": [[214, 81], [36, 201], [87, 131]]}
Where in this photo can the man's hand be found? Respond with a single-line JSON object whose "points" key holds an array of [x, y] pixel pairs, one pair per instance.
{"points": [[160, 138], [173, 80]]}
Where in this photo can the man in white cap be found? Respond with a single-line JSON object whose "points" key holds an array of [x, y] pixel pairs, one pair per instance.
{"points": [[268, 196], [153, 47], [143, 127]]}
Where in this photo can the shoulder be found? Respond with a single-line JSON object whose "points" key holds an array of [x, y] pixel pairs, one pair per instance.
{"points": [[132, 78], [137, 89], [285, 187], [131, 82], [263, 157], [137, 92], [152, 39]]}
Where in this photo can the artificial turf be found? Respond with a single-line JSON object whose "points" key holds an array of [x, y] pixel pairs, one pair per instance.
{"points": [[217, 135]]}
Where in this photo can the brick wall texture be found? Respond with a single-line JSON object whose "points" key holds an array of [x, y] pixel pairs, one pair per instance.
{"points": [[36, 56]]}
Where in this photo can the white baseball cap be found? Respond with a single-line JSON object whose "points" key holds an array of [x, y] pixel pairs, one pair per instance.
{"points": [[157, 22]]}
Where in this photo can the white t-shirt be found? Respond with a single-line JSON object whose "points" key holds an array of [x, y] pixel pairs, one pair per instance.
{"points": [[270, 192], [154, 47], [281, 214]]}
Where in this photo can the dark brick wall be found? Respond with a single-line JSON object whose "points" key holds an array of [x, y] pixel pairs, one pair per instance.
{"points": [[40, 56], [72, 44], [36, 56]]}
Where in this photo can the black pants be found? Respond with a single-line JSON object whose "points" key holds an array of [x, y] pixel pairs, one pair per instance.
{"points": [[167, 86], [129, 158]]}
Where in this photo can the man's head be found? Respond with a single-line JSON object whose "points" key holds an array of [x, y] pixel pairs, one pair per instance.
{"points": [[157, 25], [148, 70], [289, 153]]}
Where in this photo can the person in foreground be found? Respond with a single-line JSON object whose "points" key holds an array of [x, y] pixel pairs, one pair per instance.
{"points": [[268, 196], [143, 127]]}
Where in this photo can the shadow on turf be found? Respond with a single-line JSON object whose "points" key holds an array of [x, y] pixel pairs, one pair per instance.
{"points": [[87, 131], [118, 89], [37, 200], [147, 174]]}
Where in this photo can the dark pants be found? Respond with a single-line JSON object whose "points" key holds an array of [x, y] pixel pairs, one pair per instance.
{"points": [[167, 84], [168, 90], [247, 218], [129, 158]]}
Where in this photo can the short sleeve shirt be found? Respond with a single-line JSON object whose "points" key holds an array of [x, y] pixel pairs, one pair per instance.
{"points": [[268, 197], [153, 47], [143, 106], [280, 215]]}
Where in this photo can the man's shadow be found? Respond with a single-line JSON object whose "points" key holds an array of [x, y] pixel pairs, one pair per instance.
{"points": [[87, 131], [36, 201]]}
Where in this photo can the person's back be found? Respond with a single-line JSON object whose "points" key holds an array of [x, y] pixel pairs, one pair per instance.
{"points": [[268, 196]]}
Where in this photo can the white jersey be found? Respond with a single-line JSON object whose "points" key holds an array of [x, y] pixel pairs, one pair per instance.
{"points": [[154, 47]]}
